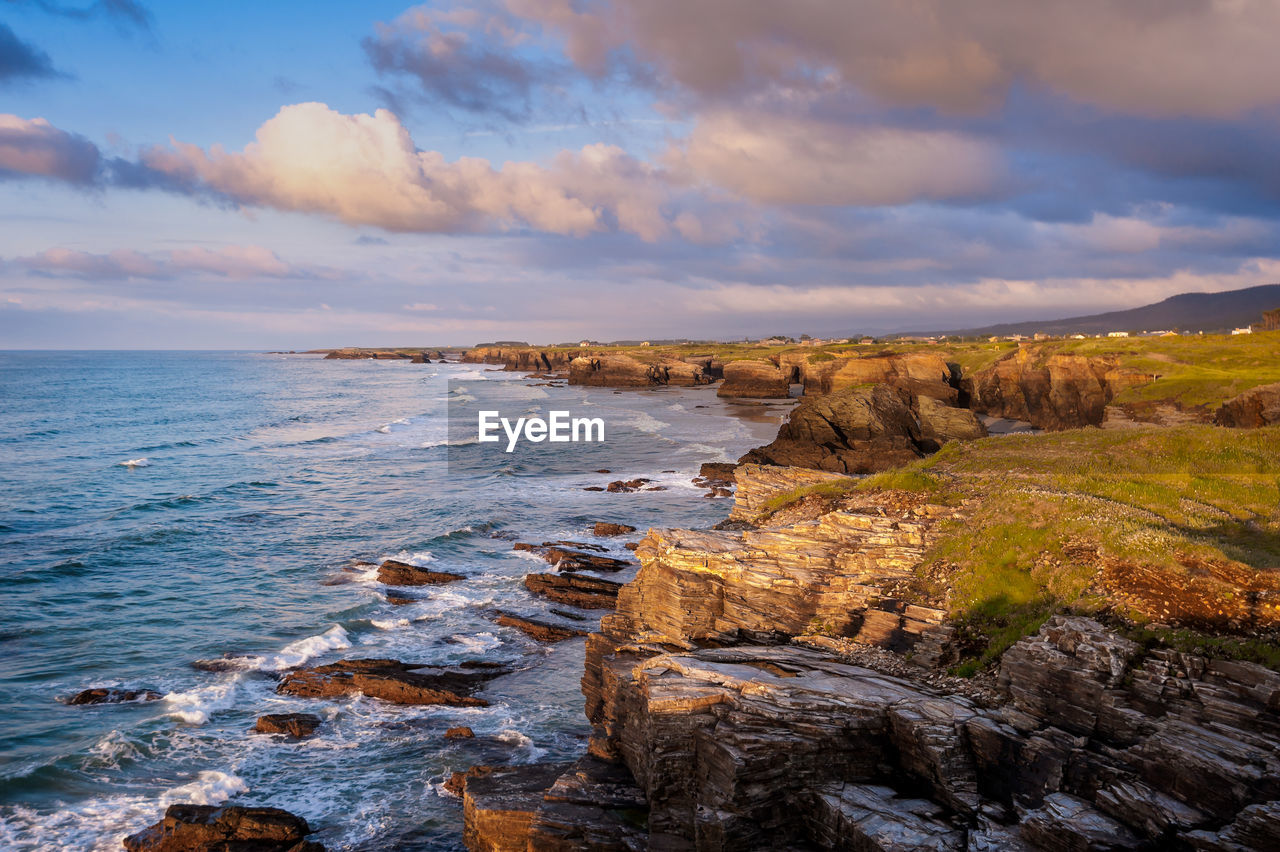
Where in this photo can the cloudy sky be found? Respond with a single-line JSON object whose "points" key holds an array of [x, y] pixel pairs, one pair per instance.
{"points": [[295, 175]]}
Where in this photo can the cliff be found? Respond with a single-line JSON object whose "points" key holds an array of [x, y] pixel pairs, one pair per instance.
{"points": [[782, 685]]}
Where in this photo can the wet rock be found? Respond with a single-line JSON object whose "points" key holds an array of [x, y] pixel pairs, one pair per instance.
{"points": [[1252, 409], [207, 828], [621, 485], [391, 680], [462, 732], [754, 380], [226, 663], [395, 573], [574, 590], [539, 630], [399, 600], [566, 559], [105, 695], [297, 725], [605, 529], [499, 804], [593, 488]]}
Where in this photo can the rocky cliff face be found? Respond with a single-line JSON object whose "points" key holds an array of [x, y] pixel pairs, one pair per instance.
{"points": [[714, 729], [754, 380], [865, 429], [923, 374], [523, 359], [1252, 409], [623, 371], [1060, 392]]}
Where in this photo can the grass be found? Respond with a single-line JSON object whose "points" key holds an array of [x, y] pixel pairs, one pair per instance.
{"points": [[1049, 509], [1243, 648], [831, 490]]}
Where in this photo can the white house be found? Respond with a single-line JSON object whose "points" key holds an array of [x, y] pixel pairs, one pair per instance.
{"points": [[1245, 330]]}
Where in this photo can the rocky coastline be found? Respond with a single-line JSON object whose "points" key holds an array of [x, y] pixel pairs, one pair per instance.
{"points": [[784, 680]]}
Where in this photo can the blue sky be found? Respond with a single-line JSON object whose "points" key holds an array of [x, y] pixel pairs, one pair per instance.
{"points": [[296, 175]]}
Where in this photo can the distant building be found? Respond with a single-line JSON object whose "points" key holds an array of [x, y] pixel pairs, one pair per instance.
{"points": [[1040, 335], [584, 344], [644, 343], [1077, 337], [993, 339], [1245, 330], [866, 341], [1016, 338], [1117, 334]]}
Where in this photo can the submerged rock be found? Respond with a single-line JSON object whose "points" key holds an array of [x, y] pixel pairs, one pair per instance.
{"points": [[393, 681], [207, 828], [540, 630], [297, 725], [462, 732], [104, 695], [605, 529], [395, 573], [567, 559]]}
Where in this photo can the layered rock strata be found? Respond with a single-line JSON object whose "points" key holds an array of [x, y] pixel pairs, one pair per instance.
{"points": [[754, 380], [624, 371]]}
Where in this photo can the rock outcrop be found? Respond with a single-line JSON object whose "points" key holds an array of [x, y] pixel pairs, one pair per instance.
{"points": [[207, 828], [1252, 409], [736, 736], [864, 430], [107, 695], [523, 358], [754, 380], [606, 529], [624, 371], [577, 590], [393, 681], [296, 725], [1053, 392], [395, 573], [540, 630], [572, 559], [919, 373]]}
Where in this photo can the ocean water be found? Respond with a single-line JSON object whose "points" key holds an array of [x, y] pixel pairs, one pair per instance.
{"points": [[159, 508]]}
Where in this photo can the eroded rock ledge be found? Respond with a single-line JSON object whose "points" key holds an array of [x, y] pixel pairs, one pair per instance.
{"points": [[712, 730]]}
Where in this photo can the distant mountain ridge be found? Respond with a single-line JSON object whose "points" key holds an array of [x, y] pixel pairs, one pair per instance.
{"points": [[1206, 312]]}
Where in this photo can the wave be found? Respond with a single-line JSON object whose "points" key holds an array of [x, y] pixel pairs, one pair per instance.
{"points": [[296, 653], [132, 463], [210, 787], [195, 706], [389, 623]]}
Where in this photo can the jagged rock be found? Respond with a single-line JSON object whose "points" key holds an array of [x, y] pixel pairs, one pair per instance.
{"points": [[626, 485], [593, 805], [1252, 409], [540, 630], [624, 371], [499, 804], [919, 373], [391, 680], [1257, 827], [1053, 392], [566, 559], [574, 590], [207, 828], [865, 429], [105, 695], [754, 380], [863, 817], [1065, 823], [462, 732], [522, 358], [296, 725], [604, 529], [395, 573], [758, 484]]}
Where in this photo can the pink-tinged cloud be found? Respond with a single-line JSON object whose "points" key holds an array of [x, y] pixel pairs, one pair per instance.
{"points": [[34, 147], [1212, 58], [366, 170], [233, 262], [802, 161]]}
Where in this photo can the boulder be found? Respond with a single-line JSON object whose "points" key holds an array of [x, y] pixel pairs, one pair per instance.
{"points": [[396, 573], [941, 422], [393, 681], [105, 695], [462, 732], [604, 529], [208, 828], [754, 380], [1252, 409], [297, 725], [574, 590]]}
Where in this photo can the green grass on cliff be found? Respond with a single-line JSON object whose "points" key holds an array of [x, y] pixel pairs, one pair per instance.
{"points": [[1045, 511]]}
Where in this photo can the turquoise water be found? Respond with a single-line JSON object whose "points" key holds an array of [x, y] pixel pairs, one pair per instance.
{"points": [[159, 508]]}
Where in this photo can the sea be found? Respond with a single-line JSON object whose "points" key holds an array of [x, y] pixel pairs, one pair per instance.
{"points": [[159, 508]]}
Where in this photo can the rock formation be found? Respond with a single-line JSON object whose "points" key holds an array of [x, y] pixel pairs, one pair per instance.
{"points": [[865, 430], [541, 630], [207, 828], [296, 725], [570, 559], [714, 729], [920, 373], [605, 529], [393, 681], [624, 371], [754, 380], [106, 695], [1054, 392], [1252, 409], [574, 590], [395, 573]]}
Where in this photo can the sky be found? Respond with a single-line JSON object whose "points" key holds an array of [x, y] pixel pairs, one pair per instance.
{"points": [[281, 175]]}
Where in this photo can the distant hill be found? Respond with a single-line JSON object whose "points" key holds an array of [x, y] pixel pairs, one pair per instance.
{"points": [[1206, 312]]}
